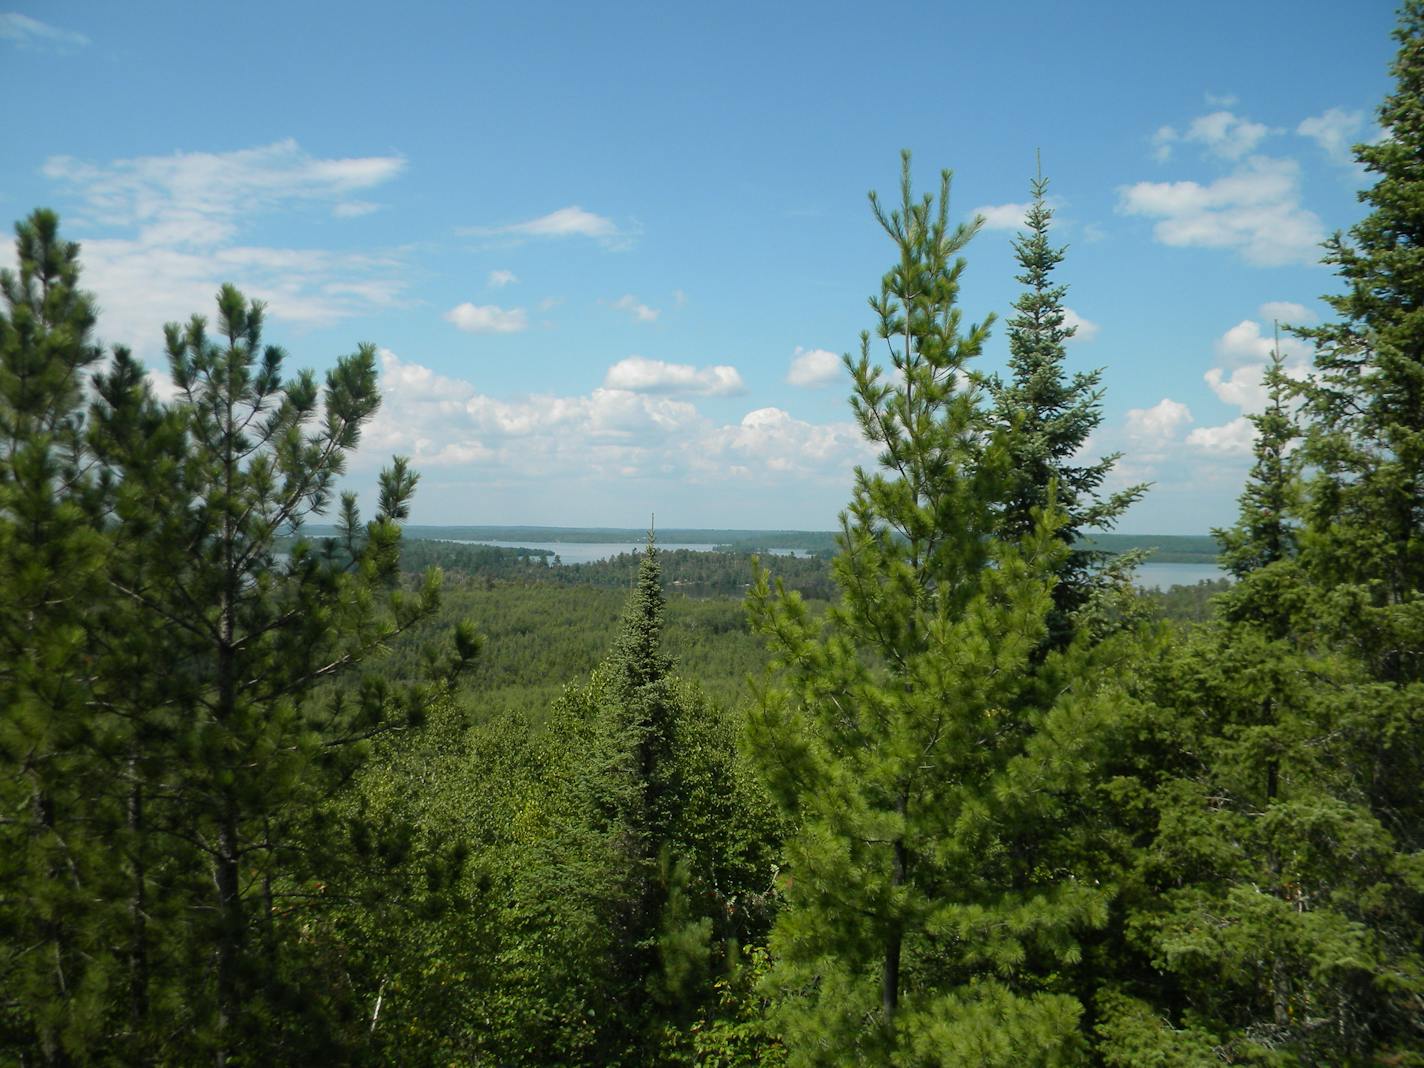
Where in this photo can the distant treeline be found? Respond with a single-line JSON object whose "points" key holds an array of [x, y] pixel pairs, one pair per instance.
{"points": [[1163, 548]]}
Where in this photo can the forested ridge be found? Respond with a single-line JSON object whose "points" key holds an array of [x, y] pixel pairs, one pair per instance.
{"points": [[280, 784]]}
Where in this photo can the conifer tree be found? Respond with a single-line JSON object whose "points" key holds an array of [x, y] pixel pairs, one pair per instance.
{"points": [[1264, 532], [1277, 905], [1364, 405], [54, 958], [248, 728], [638, 864], [927, 756], [1048, 417]]}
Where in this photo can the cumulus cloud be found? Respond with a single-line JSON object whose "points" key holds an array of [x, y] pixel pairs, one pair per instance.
{"points": [[1256, 210], [1226, 134], [1249, 342], [772, 440], [572, 221], [1230, 439], [1246, 348], [499, 279], [638, 374], [1223, 133], [1336, 131], [640, 312], [180, 220], [487, 318], [1086, 329], [608, 433], [26, 32], [811, 368], [1001, 216], [1154, 427], [1287, 311]]}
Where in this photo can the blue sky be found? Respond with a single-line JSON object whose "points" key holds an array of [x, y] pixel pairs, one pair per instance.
{"points": [[608, 251]]}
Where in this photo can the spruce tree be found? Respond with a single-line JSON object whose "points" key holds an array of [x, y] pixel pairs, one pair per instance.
{"points": [[1276, 909], [1265, 530], [930, 760], [1364, 405], [632, 880], [1048, 417]]}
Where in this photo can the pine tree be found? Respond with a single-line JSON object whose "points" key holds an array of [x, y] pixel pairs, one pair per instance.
{"points": [[247, 726], [54, 958], [1048, 417], [929, 759]]}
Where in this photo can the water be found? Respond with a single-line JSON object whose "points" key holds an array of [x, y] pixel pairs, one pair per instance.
{"points": [[1165, 576], [586, 552]]}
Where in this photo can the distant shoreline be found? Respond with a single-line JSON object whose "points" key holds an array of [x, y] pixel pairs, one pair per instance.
{"points": [[1160, 548]]}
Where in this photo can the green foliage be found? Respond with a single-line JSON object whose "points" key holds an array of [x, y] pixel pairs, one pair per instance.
{"points": [[1047, 417], [1264, 533], [56, 965], [929, 759]]}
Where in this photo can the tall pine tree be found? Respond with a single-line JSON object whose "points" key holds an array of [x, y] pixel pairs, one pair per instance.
{"points": [[248, 728], [928, 757], [55, 960]]}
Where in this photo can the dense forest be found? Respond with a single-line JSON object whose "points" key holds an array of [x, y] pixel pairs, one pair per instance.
{"points": [[955, 793]]}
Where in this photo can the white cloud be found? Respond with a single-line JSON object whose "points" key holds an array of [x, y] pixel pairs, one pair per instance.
{"points": [[32, 33], [1154, 427], [1226, 134], [1230, 439], [1001, 216], [1335, 131], [1242, 387], [1086, 329], [1247, 342], [1162, 141], [1287, 311], [1225, 100], [771, 440], [640, 312], [501, 278], [638, 374], [1256, 210], [811, 368], [180, 219], [679, 297], [572, 221], [354, 209], [487, 318], [608, 433], [196, 199]]}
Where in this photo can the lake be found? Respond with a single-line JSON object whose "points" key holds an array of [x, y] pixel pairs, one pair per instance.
{"points": [[1165, 576], [1149, 575], [586, 552]]}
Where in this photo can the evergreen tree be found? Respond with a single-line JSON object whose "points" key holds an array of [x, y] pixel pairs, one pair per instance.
{"points": [[246, 728], [1364, 406], [1278, 908], [54, 961], [635, 877], [1048, 417], [1264, 533], [930, 760]]}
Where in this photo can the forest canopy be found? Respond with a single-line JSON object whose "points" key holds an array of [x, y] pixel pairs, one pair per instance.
{"points": [[283, 783]]}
